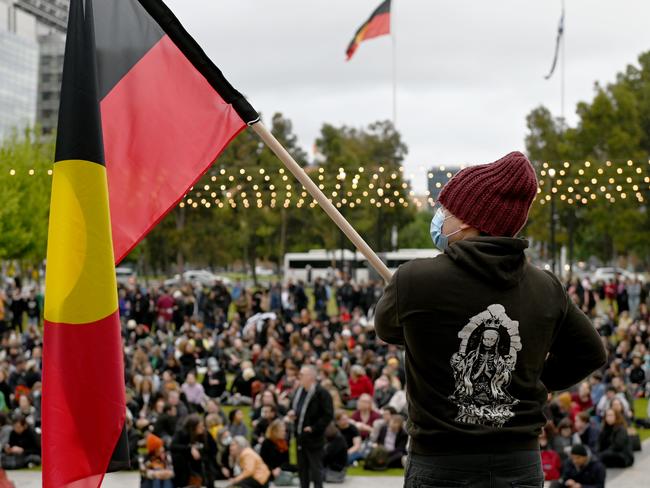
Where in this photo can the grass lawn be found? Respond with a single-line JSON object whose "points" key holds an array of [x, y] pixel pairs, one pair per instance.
{"points": [[641, 412]]}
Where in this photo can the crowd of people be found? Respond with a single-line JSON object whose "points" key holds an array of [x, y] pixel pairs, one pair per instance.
{"points": [[219, 383], [595, 427]]}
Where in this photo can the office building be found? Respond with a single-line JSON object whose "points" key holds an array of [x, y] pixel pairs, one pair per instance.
{"points": [[18, 69], [50, 70], [49, 13]]}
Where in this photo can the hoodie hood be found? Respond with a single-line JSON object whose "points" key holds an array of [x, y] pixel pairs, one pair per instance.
{"points": [[498, 260]]}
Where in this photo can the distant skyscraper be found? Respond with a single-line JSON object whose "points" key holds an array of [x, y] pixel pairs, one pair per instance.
{"points": [[438, 176], [51, 13], [50, 69], [18, 69]]}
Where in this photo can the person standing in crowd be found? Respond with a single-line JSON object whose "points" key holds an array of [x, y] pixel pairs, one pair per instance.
{"points": [[487, 334], [253, 472], [312, 412]]}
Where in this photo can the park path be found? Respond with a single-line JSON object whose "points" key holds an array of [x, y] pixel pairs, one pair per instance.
{"points": [[638, 476]]}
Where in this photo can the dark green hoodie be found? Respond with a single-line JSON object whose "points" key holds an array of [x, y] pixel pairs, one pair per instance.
{"points": [[486, 335]]}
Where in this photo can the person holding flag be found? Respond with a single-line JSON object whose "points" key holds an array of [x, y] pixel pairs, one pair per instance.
{"points": [[487, 336]]}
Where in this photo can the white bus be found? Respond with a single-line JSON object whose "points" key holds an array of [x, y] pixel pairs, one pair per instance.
{"points": [[321, 263]]}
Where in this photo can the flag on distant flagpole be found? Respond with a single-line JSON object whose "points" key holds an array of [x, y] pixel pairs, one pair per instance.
{"points": [[143, 115], [377, 25], [558, 42]]}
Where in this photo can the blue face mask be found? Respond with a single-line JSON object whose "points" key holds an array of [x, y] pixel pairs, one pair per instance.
{"points": [[440, 240]]}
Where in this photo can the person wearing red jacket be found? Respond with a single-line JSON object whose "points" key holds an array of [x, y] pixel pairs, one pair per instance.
{"points": [[551, 461], [360, 383]]}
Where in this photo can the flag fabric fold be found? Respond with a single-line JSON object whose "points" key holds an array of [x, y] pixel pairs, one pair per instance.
{"points": [[167, 113], [83, 375], [378, 24], [143, 115]]}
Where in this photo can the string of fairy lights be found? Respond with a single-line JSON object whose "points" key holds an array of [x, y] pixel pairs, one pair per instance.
{"points": [[573, 183], [584, 183], [256, 187]]}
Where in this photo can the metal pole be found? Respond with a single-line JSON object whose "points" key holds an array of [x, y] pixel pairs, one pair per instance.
{"points": [[394, 39], [562, 68], [553, 232]]}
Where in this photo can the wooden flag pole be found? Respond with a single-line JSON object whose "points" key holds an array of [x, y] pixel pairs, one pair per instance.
{"points": [[322, 200]]}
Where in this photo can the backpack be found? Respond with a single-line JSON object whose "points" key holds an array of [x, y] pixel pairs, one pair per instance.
{"points": [[377, 460]]}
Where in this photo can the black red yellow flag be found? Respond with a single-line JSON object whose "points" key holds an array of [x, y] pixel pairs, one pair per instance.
{"points": [[377, 25], [143, 115]]}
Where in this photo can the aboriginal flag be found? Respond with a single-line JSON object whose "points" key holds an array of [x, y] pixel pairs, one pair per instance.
{"points": [[143, 115], [377, 25]]}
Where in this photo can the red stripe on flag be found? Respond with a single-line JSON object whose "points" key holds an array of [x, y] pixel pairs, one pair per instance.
{"points": [[163, 127], [83, 401], [378, 26]]}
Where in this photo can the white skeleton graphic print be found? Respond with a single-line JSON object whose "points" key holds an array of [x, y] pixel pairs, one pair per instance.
{"points": [[483, 368]]}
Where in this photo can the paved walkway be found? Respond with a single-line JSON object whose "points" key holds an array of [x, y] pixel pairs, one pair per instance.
{"points": [[637, 476]]}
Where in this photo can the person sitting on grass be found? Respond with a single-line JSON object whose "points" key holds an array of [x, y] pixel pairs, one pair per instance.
{"points": [[335, 460], [156, 467], [194, 392], [551, 462], [236, 424], [586, 432], [614, 448], [365, 416], [360, 383], [562, 441], [23, 449], [275, 453], [394, 438], [351, 436], [581, 471], [261, 425], [253, 472]]}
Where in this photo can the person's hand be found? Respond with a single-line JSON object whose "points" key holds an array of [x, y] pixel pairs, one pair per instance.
{"points": [[276, 472], [571, 484], [17, 450], [307, 429], [291, 415], [226, 472], [195, 454]]}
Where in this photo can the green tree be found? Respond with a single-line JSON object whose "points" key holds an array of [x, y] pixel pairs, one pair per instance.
{"points": [[25, 196], [614, 126]]}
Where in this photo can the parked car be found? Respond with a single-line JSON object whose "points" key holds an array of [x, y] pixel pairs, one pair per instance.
{"points": [[125, 275], [610, 273], [201, 277]]}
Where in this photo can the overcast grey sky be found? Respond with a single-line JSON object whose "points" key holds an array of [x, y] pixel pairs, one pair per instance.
{"points": [[468, 71]]}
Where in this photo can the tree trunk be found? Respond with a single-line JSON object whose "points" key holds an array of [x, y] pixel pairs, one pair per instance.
{"points": [[180, 226], [283, 242]]}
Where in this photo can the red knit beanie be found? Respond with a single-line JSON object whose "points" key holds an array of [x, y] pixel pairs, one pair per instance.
{"points": [[494, 198]]}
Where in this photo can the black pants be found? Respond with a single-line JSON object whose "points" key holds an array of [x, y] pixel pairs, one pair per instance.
{"points": [[251, 482], [513, 470], [310, 466], [612, 459]]}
